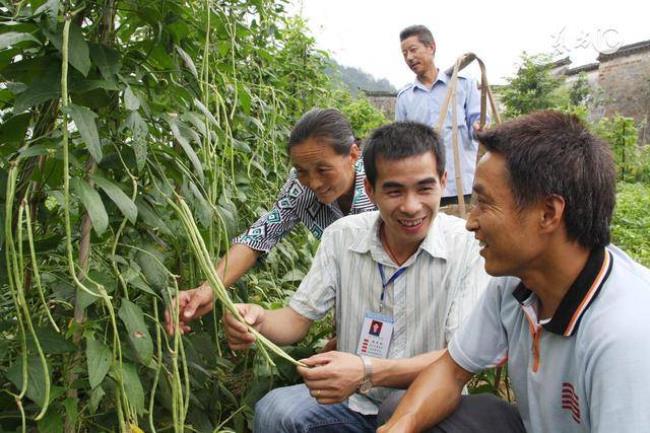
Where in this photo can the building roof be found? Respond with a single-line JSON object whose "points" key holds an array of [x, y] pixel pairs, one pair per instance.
{"points": [[582, 68], [557, 63], [626, 50]]}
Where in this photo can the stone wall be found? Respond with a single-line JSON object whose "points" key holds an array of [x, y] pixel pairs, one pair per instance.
{"points": [[383, 101], [625, 83]]}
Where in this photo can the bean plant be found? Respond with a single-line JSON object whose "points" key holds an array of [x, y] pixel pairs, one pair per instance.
{"points": [[136, 139]]}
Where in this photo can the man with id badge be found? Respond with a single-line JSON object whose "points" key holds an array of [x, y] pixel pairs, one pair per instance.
{"points": [[401, 281]]}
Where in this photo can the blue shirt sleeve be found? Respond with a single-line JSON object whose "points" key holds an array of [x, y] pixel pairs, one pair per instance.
{"points": [[400, 108], [482, 342], [472, 105]]}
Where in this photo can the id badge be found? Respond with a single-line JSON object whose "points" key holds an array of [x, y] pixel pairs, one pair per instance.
{"points": [[376, 334]]}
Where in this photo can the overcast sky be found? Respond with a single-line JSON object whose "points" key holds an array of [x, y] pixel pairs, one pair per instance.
{"points": [[365, 33]]}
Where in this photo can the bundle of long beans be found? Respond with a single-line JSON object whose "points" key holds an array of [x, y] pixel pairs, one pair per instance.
{"points": [[205, 263]]}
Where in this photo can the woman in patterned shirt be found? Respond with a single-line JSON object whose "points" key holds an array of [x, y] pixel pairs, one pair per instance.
{"points": [[325, 184]]}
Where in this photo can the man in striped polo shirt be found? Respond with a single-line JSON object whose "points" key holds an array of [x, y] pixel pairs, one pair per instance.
{"points": [[401, 280], [569, 312]]}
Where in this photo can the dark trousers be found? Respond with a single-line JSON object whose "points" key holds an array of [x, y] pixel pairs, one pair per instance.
{"points": [[481, 413]]}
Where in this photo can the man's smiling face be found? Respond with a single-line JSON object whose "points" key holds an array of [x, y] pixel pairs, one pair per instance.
{"points": [[407, 192], [509, 237]]}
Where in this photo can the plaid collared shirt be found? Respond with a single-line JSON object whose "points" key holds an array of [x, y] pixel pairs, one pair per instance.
{"points": [[297, 203]]}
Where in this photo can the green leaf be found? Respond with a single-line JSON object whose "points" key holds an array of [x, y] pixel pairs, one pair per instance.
{"points": [[106, 59], [14, 129], [139, 283], [83, 86], [79, 54], [196, 120], [52, 422], [202, 209], [123, 202], [133, 387], [5, 95], [206, 112], [133, 318], [40, 91], [151, 263], [93, 204], [96, 396], [35, 378], [188, 62], [185, 144], [84, 119], [51, 342], [139, 129], [71, 409], [131, 101], [244, 98], [293, 276], [99, 359], [12, 38], [150, 217], [37, 150], [50, 8]]}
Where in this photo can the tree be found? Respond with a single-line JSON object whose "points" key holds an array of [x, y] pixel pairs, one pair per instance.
{"points": [[580, 90], [532, 88]]}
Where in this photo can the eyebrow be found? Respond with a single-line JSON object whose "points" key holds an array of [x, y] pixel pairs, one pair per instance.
{"points": [[427, 181], [480, 189], [393, 184]]}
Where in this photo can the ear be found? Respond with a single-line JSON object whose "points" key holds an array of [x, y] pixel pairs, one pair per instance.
{"points": [[355, 152], [369, 190], [443, 181], [552, 213]]}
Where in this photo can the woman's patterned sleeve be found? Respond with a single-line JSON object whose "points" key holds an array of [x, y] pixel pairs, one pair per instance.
{"points": [[271, 227]]}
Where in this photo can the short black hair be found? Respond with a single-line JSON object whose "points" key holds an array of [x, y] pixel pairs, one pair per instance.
{"points": [[401, 140], [552, 153], [422, 32], [329, 124]]}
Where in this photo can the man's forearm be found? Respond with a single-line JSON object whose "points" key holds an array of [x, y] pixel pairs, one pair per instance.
{"points": [[400, 373], [434, 394], [284, 326]]}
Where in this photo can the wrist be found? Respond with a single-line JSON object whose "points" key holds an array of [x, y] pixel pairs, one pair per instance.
{"points": [[205, 287], [380, 370], [259, 321], [366, 381]]}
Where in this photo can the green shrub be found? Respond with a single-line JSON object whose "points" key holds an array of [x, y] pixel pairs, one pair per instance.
{"points": [[621, 133], [363, 116], [533, 88], [631, 223]]}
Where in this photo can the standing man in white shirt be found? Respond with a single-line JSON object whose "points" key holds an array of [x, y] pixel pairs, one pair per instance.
{"points": [[421, 102], [569, 312], [401, 280]]}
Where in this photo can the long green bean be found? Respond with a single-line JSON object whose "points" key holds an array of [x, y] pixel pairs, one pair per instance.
{"points": [[200, 251]]}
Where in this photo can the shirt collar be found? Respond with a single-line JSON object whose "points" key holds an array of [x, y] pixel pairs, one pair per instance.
{"points": [[442, 77], [433, 243], [580, 295]]}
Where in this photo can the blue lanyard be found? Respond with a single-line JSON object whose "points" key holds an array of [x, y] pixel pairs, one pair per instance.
{"points": [[385, 283]]}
